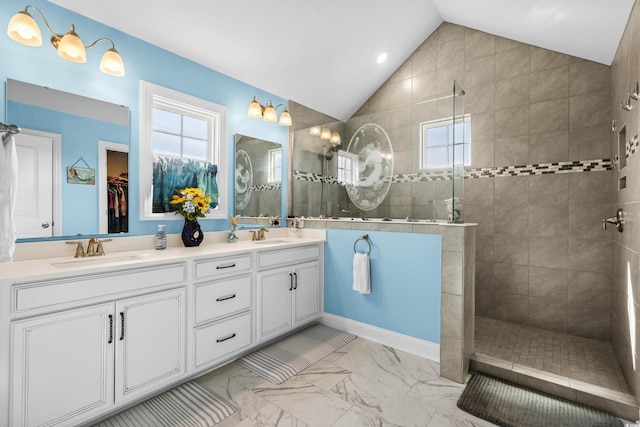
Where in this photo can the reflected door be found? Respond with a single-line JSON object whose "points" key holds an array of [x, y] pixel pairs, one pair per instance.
{"points": [[34, 206]]}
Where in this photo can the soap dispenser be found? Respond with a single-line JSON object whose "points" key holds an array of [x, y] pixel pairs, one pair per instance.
{"points": [[161, 238]]}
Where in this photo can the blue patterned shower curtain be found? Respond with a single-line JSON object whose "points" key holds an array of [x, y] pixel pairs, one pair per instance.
{"points": [[171, 174]]}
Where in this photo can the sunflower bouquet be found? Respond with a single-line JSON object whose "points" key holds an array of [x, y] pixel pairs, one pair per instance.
{"points": [[191, 203]]}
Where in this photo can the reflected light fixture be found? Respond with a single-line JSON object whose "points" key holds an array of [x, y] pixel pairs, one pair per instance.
{"points": [[325, 134], [335, 138], [23, 29], [268, 113], [314, 131]]}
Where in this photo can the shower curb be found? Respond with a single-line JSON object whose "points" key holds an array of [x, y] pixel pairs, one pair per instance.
{"points": [[620, 404]]}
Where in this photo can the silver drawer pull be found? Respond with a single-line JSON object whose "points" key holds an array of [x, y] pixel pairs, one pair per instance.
{"points": [[222, 267], [226, 297], [226, 338]]}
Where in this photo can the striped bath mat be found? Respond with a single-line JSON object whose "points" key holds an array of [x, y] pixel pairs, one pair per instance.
{"points": [[189, 404], [281, 360]]}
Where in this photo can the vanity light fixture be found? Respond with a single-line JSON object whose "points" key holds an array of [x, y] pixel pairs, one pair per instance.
{"points": [[314, 131], [23, 29], [335, 138], [268, 113]]}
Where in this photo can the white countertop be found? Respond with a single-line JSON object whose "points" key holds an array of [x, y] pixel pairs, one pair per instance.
{"points": [[35, 260]]}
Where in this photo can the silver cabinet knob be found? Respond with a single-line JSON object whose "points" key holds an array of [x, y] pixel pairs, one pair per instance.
{"points": [[45, 225]]}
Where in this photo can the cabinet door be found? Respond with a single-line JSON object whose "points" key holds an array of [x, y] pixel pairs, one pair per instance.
{"points": [[150, 342], [62, 367], [306, 294], [274, 302]]}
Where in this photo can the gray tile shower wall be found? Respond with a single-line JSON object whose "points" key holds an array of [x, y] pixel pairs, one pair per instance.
{"points": [[625, 268], [540, 175]]}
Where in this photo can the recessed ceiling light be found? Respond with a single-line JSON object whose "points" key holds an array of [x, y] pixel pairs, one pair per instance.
{"points": [[382, 56]]}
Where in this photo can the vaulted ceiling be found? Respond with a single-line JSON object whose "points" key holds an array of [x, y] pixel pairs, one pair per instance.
{"points": [[322, 53]]}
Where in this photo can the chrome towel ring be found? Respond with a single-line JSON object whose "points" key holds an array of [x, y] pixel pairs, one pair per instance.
{"points": [[364, 237]]}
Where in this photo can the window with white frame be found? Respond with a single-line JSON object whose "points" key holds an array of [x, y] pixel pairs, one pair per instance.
{"points": [[275, 166], [347, 168], [443, 143], [180, 129]]}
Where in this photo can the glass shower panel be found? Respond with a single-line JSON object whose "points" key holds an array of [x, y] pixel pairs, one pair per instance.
{"points": [[459, 154]]}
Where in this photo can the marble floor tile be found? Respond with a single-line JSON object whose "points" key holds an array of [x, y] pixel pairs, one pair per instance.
{"points": [[308, 403], [390, 367], [442, 419], [362, 384], [386, 403], [271, 416]]}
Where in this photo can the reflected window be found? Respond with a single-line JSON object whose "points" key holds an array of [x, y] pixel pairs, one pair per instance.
{"points": [[275, 166], [444, 144], [347, 168]]}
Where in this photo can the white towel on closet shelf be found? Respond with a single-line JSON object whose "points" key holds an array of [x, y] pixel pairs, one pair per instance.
{"points": [[361, 279], [8, 190]]}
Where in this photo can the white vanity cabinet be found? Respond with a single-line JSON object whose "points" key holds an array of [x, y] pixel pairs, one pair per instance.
{"points": [[80, 344], [222, 309], [62, 366], [150, 342], [73, 364], [288, 290]]}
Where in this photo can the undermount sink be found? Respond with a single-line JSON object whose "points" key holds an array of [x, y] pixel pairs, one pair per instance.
{"points": [[77, 262], [270, 242]]}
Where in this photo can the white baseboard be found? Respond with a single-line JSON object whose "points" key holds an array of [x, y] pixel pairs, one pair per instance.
{"points": [[402, 342]]}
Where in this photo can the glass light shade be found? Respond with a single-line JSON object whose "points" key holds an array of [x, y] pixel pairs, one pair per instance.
{"points": [[325, 134], [269, 114], [314, 131], [255, 110], [71, 48], [285, 118], [23, 29], [111, 63], [335, 138]]}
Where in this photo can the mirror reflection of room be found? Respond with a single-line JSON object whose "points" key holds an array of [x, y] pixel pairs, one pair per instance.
{"points": [[58, 128], [117, 191], [258, 178]]}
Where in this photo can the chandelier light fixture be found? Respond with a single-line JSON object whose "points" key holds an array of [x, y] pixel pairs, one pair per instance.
{"points": [[23, 29], [268, 113]]}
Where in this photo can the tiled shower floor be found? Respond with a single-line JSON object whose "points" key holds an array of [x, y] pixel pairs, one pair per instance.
{"points": [[588, 360]]}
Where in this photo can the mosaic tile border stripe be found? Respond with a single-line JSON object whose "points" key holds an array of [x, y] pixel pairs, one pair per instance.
{"points": [[492, 172], [266, 187], [631, 146], [541, 169]]}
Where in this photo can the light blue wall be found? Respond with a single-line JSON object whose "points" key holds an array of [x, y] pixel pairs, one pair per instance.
{"points": [[143, 61], [405, 281]]}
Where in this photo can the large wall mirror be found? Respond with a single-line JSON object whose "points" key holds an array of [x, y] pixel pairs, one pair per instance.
{"points": [[258, 178], [73, 162]]}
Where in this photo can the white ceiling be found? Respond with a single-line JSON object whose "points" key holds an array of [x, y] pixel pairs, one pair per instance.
{"points": [[322, 53]]}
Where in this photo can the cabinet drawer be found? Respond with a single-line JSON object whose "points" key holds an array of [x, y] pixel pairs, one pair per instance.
{"points": [[217, 299], [217, 340], [73, 290], [287, 256], [218, 267]]}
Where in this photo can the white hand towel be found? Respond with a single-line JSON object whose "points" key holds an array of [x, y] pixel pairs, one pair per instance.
{"points": [[361, 280], [8, 190]]}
